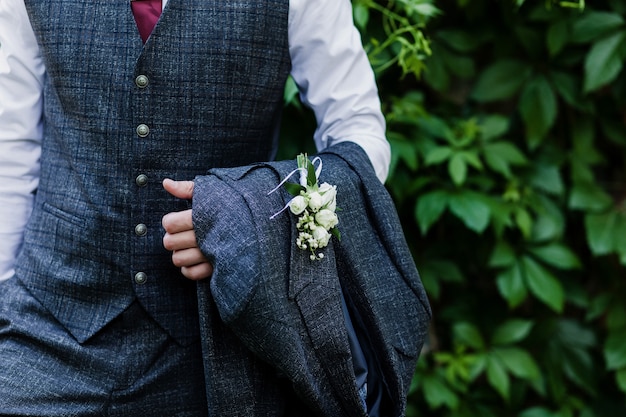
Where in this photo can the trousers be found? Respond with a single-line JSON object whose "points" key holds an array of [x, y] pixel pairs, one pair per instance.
{"points": [[130, 368]]}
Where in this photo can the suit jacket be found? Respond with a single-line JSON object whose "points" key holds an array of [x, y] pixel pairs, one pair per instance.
{"points": [[272, 321]]}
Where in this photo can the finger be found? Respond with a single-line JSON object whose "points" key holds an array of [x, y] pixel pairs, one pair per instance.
{"points": [[198, 272], [180, 189], [180, 241], [177, 221], [188, 257]]}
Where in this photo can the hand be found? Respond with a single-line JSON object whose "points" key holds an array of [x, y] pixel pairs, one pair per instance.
{"points": [[180, 238]]}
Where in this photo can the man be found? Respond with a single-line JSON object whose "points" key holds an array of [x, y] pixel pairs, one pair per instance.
{"points": [[96, 316]]}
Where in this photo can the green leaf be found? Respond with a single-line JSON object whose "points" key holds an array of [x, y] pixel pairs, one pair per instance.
{"points": [[557, 255], [471, 209], [459, 40], [593, 25], [501, 80], [467, 334], [549, 222], [547, 178], [471, 157], [507, 152], [567, 87], [579, 366], [497, 376], [589, 196], [437, 73], [524, 222], [311, 178], [419, 8], [600, 232], [403, 150], [461, 66], [620, 238], [429, 209], [557, 36], [604, 61], [437, 393], [571, 333], [614, 130], [437, 155], [538, 107], [361, 15], [511, 331], [543, 285], [583, 136], [616, 317], [493, 126], [537, 412], [436, 127], [290, 94], [503, 255], [615, 350], [519, 362], [620, 378], [457, 168], [511, 286], [293, 188]]}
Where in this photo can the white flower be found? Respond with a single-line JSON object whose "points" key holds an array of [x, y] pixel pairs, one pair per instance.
{"points": [[326, 218], [329, 197], [314, 205], [321, 236], [324, 187], [315, 201], [297, 204]]}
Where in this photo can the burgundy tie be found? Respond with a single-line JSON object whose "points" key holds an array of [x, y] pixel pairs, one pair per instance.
{"points": [[146, 14]]}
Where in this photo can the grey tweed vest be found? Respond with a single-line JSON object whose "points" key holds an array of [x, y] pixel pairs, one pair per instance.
{"points": [[119, 116]]}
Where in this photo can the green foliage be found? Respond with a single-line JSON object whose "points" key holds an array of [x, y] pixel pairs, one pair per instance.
{"points": [[507, 121]]}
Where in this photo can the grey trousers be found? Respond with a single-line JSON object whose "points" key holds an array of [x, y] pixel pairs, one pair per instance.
{"points": [[132, 368]]}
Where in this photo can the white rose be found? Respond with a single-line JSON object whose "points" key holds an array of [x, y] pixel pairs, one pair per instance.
{"points": [[324, 187], [321, 236], [297, 205], [315, 201], [326, 218], [329, 198]]}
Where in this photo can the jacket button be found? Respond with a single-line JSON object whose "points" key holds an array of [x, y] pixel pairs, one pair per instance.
{"points": [[141, 278], [141, 229], [141, 81], [141, 180], [143, 130]]}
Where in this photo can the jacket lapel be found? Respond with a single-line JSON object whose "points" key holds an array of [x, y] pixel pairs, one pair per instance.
{"points": [[317, 292]]}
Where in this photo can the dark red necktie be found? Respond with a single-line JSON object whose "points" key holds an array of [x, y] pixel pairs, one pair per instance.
{"points": [[146, 14]]}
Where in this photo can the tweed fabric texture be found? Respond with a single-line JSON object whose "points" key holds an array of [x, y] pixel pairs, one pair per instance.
{"points": [[286, 309], [125, 370], [216, 72]]}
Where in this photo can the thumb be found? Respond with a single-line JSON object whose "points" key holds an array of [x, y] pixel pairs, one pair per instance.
{"points": [[180, 189]]}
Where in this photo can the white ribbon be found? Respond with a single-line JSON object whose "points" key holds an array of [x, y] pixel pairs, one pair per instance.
{"points": [[303, 181]]}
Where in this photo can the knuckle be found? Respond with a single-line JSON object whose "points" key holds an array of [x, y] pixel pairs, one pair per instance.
{"points": [[166, 221], [178, 260], [167, 241]]}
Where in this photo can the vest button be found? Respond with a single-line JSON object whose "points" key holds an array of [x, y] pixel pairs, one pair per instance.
{"points": [[141, 81], [141, 278], [141, 229], [143, 130], [141, 180]]}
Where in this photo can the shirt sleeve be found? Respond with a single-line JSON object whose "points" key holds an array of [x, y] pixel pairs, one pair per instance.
{"points": [[335, 78], [21, 75]]}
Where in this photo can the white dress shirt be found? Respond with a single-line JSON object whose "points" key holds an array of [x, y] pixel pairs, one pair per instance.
{"points": [[329, 66]]}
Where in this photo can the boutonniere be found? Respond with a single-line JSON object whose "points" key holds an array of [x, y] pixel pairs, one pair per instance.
{"points": [[314, 204]]}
